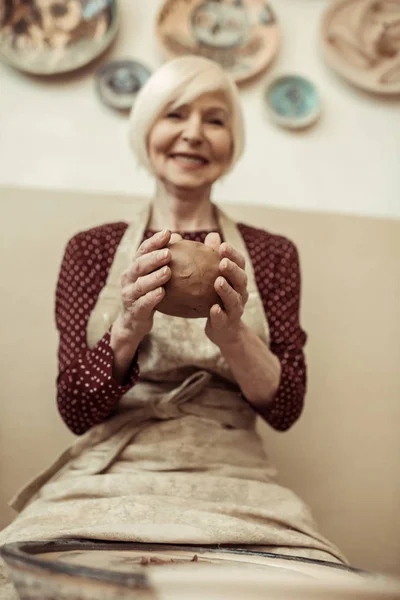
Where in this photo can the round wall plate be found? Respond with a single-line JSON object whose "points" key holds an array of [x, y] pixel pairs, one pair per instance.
{"points": [[293, 101], [47, 37], [361, 42], [241, 35], [119, 81]]}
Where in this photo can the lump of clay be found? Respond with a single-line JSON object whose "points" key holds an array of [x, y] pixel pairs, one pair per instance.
{"points": [[190, 291]]}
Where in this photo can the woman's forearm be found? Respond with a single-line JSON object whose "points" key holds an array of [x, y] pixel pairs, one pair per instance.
{"points": [[124, 344], [256, 369]]}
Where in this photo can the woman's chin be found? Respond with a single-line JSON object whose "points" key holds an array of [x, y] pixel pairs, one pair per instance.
{"points": [[188, 181]]}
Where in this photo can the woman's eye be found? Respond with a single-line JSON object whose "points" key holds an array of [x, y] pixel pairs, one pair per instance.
{"points": [[173, 115], [218, 122]]}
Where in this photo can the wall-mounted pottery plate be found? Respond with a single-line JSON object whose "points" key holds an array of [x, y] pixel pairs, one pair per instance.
{"points": [[293, 101], [46, 37], [90, 570], [361, 42], [119, 81], [241, 35]]}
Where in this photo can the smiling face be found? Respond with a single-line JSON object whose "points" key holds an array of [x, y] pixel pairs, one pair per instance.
{"points": [[190, 146]]}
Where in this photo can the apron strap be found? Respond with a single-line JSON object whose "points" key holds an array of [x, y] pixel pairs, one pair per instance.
{"points": [[109, 301]]}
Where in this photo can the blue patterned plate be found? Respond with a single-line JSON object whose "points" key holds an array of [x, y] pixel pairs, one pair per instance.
{"points": [[293, 101], [119, 81]]}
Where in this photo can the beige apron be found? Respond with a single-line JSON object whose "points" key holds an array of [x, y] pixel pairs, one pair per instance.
{"points": [[181, 461]]}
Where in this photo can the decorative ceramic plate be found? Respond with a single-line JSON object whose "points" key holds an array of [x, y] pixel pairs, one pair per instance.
{"points": [[241, 35], [293, 101], [93, 570], [46, 37], [119, 81], [361, 41]]}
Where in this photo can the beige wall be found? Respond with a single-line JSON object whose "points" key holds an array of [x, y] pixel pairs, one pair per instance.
{"points": [[55, 133], [341, 457]]}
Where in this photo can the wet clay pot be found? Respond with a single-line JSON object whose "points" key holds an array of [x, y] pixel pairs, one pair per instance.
{"points": [[190, 292]]}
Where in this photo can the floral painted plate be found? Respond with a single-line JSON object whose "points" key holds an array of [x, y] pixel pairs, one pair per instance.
{"points": [[361, 42], [243, 36], [45, 37]]}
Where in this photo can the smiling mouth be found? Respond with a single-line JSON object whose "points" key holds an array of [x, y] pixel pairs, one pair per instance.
{"points": [[190, 159]]}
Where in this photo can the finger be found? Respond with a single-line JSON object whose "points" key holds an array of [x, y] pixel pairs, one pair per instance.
{"points": [[144, 307], [218, 317], [213, 240], [231, 300], [155, 242], [226, 250], [175, 237], [236, 277], [143, 265], [132, 292]]}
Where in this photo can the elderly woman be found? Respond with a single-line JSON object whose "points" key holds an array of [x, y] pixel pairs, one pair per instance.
{"points": [[165, 406]]}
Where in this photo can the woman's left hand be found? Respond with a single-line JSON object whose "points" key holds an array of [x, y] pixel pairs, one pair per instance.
{"points": [[224, 323]]}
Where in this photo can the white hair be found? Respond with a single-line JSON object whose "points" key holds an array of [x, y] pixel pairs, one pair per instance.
{"points": [[180, 81]]}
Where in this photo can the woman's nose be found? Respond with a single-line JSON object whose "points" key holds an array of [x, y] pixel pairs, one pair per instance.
{"points": [[193, 131]]}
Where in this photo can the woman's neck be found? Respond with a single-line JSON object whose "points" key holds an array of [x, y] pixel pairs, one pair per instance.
{"points": [[182, 210]]}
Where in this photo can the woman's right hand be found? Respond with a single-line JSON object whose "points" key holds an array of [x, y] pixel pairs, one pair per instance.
{"points": [[142, 285], [141, 291]]}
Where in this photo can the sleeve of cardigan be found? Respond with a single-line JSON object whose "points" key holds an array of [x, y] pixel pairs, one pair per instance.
{"points": [[282, 307], [87, 394]]}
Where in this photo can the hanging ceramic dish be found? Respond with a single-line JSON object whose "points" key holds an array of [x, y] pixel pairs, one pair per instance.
{"points": [[361, 42], [293, 101], [241, 35], [119, 81], [46, 37]]}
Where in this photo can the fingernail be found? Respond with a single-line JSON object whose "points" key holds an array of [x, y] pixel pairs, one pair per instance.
{"points": [[164, 232], [159, 291], [163, 272], [164, 253]]}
